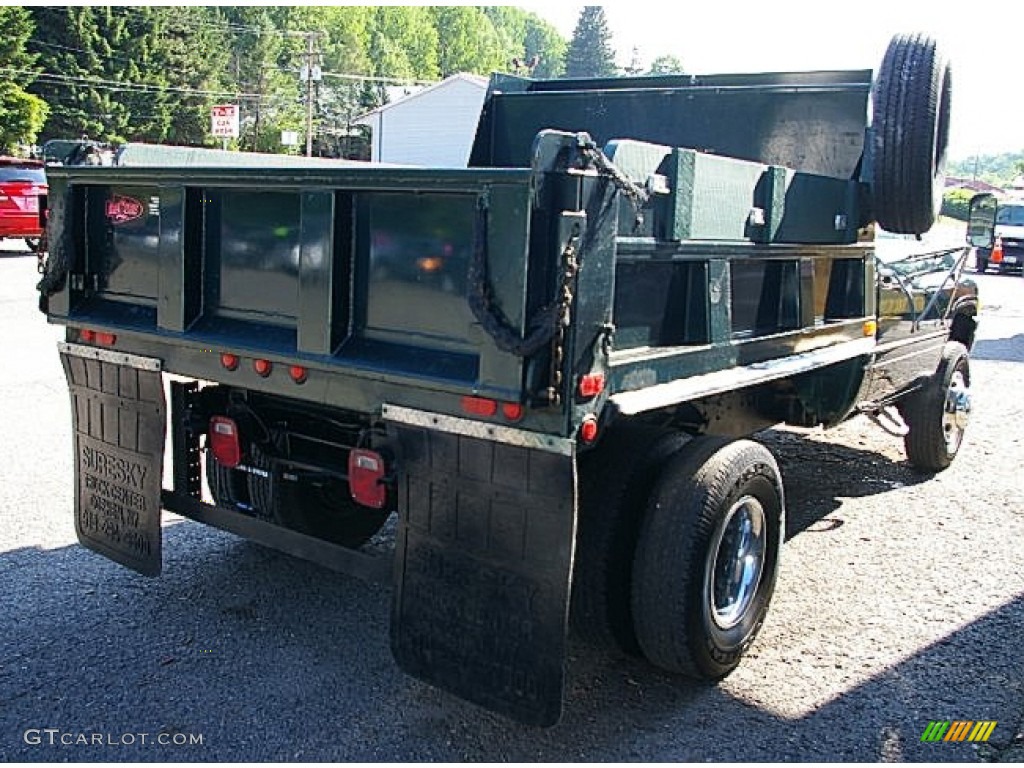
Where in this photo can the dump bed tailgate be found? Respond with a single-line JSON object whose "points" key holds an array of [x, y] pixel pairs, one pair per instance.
{"points": [[355, 270]]}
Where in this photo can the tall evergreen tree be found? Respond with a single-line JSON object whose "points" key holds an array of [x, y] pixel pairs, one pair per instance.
{"points": [[128, 73], [590, 52]]}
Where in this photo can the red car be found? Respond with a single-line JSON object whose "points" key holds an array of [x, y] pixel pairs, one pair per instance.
{"points": [[22, 183]]}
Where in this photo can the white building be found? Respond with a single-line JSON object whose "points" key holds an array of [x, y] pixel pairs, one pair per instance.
{"points": [[432, 127]]}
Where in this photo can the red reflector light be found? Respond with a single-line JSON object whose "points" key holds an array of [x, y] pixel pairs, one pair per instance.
{"points": [[479, 406], [512, 411], [229, 361], [223, 442], [366, 478], [87, 335], [298, 373], [262, 367], [591, 384], [588, 429]]}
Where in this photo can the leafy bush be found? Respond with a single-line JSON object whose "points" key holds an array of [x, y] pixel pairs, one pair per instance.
{"points": [[956, 202]]}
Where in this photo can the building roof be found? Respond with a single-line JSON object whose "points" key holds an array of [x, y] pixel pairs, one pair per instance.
{"points": [[476, 80]]}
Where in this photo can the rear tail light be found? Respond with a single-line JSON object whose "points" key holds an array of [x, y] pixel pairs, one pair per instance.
{"points": [[479, 406], [591, 385], [262, 367], [298, 374], [229, 361], [366, 472], [100, 337], [588, 429], [223, 441], [512, 411]]}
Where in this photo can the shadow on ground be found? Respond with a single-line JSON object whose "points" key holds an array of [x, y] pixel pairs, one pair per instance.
{"points": [[271, 658]]}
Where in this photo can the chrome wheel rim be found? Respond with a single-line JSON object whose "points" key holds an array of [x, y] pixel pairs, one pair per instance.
{"points": [[738, 554], [956, 412]]}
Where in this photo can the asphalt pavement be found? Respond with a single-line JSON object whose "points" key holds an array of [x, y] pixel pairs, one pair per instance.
{"points": [[900, 602]]}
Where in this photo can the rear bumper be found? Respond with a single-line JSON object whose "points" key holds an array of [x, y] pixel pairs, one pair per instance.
{"points": [[1013, 258]]}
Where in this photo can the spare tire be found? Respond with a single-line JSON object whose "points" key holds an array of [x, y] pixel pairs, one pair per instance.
{"points": [[910, 129]]}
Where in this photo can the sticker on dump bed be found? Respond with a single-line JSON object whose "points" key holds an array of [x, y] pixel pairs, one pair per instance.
{"points": [[118, 414], [121, 209]]}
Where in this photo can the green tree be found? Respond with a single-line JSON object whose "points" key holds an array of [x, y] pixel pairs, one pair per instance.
{"points": [[129, 72], [21, 117], [265, 66], [530, 45], [590, 52], [21, 114], [956, 202], [546, 46], [181, 57], [468, 41], [666, 64]]}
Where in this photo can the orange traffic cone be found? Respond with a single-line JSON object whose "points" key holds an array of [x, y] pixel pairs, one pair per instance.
{"points": [[997, 251]]}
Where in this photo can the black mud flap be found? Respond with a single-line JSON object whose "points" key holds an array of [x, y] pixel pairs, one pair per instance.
{"points": [[117, 407], [483, 560]]}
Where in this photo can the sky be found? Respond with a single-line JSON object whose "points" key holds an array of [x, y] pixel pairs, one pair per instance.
{"points": [[983, 40]]}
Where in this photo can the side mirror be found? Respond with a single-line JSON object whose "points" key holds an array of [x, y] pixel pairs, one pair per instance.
{"points": [[981, 220]]}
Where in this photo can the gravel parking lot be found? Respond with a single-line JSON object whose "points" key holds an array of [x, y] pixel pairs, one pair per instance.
{"points": [[900, 601]]}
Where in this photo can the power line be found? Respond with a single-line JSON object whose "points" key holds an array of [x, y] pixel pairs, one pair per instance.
{"points": [[120, 85]]}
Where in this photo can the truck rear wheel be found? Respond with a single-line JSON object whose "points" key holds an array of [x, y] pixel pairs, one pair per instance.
{"points": [[707, 556], [937, 414], [910, 125], [615, 482]]}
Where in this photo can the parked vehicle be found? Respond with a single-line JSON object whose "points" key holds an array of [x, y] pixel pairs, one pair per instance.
{"points": [[22, 185], [1008, 252], [546, 366]]}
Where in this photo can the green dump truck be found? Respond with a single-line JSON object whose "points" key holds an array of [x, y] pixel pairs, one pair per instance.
{"points": [[542, 368]]}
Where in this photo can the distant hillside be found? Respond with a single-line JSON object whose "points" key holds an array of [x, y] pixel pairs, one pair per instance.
{"points": [[995, 169]]}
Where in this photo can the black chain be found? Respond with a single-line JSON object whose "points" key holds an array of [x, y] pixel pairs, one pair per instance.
{"points": [[544, 323], [570, 268], [635, 193]]}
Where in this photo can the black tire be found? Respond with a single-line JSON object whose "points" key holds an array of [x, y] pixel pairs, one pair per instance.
{"points": [[709, 487], [615, 481], [320, 507], [937, 413], [910, 125]]}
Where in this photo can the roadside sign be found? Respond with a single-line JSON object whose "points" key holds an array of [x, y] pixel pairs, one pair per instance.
{"points": [[224, 121]]}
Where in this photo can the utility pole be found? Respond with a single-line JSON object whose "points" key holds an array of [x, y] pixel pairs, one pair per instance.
{"points": [[311, 74]]}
